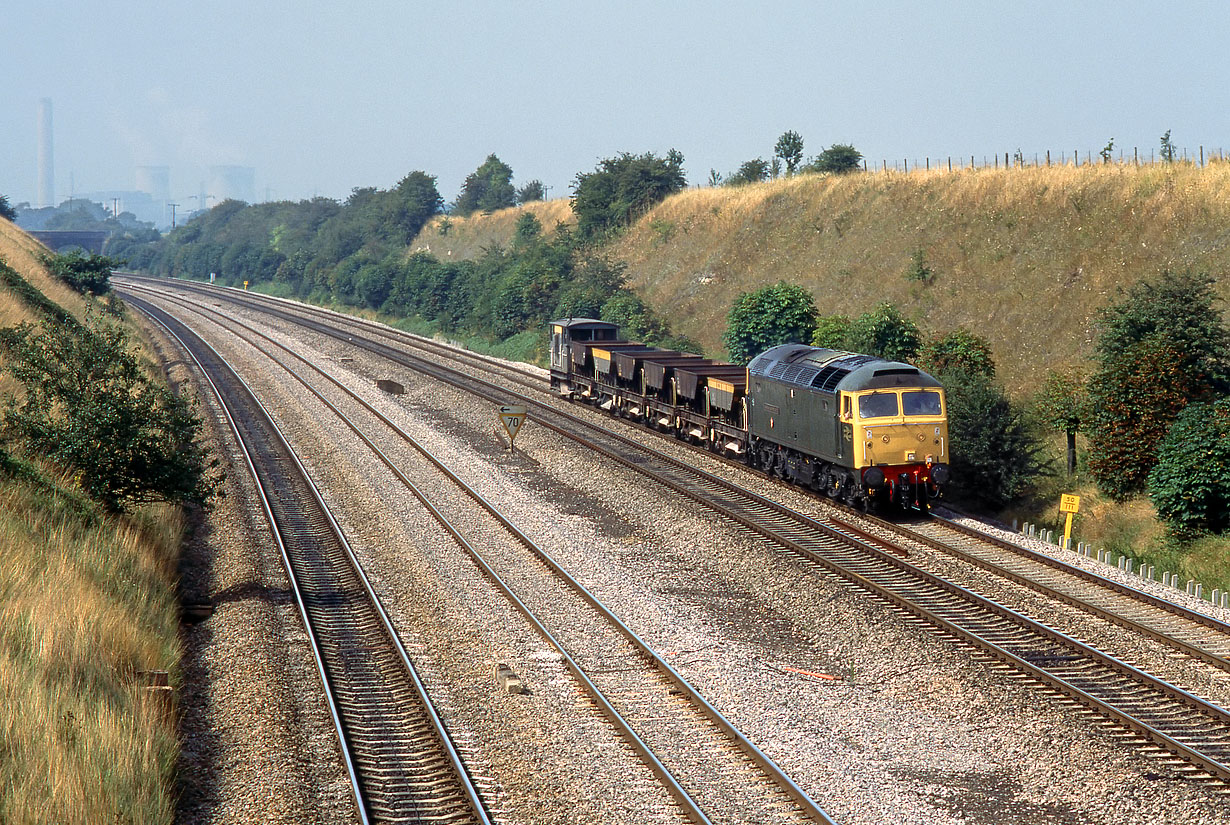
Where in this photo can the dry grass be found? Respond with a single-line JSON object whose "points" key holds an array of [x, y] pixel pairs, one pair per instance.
{"points": [[466, 238], [85, 606], [1025, 257], [22, 253]]}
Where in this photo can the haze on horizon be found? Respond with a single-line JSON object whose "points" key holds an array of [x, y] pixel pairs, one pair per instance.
{"points": [[321, 98]]}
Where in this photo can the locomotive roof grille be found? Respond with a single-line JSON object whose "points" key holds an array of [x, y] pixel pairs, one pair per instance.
{"points": [[897, 371], [828, 378]]}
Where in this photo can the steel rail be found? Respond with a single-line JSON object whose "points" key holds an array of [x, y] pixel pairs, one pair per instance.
{"points": [[1216, 768], [363, 796], [764, 762]]}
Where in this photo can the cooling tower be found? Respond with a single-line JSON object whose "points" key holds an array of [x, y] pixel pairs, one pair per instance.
{"points": [[232, 182], [46, 167], [155, 181]]}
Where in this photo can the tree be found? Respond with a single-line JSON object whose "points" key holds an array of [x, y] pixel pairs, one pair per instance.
{"points": [[1160, 347], [621, 188], [789, 148], [6, 211], [772, 315], [87, 408], [995, 457], [1061, 404], [885, 332], [960, 350], [831, 332], [1107, 150], [838, 159], [1168, 150], [409, 206], [84, 272], [1190, 484], [532, 191], [487, 188], [751, 171]]}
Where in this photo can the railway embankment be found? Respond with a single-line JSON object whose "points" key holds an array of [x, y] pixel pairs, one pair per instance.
{"points": [[1025, 257], [89, 623]]}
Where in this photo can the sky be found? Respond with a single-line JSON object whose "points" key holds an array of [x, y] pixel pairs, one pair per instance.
{"points": [[321, 98]]}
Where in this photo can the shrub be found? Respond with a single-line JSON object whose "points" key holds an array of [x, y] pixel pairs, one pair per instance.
{"points": [[87, 408], [995, 456], [831, 332], [959, 350], [837, 159], [769, 316], [1160, 347], [885, 332], [1132, 401], [622, 187], [1190, 483], [84, 273]]}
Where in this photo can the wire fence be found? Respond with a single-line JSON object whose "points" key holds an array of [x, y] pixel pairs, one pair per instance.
{"points": [[1017, 160]]}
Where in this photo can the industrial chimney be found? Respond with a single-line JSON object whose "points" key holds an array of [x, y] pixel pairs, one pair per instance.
{"points": [[46, 166]]}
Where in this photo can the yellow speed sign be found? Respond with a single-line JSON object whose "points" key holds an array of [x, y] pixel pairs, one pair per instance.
{"points": [[512, 416], [1069, 503]]}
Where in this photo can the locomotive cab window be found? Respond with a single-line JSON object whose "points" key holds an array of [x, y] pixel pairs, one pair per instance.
{"points": [[877, 405], [926, 402]]}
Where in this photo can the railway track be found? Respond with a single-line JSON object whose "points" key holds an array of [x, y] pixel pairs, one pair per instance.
{"points": [[711, 769], [402, 766], [1161, 714]]}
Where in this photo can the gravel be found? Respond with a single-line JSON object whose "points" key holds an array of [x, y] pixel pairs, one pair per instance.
{"points": [[913, 729]]}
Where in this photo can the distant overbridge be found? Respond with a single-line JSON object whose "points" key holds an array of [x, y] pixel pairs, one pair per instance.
{"points": [[91, 240]]}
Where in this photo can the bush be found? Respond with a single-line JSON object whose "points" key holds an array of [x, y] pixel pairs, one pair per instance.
{"points": [[771, 315], [886, 333], [959, 350], [831, 332], [995, 456], [87, 408], [623, 187], [1160, 347], [1132, 401], [751, 171], [84, 273], [1190, 484], [837, 159]]}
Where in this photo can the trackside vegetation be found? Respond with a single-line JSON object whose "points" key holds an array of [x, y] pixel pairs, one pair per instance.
{"points": [[1025, 290], [89, 618]]}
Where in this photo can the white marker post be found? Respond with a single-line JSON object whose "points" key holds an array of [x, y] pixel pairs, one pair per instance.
{"points": [[512, 417]]}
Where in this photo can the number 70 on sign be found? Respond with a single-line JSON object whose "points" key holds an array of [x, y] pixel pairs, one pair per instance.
{"points": [[512, 416]]}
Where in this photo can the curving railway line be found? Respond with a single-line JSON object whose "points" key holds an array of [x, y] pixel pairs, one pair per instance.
{"points": [[712, 770], [885, 560], [402, 765]]}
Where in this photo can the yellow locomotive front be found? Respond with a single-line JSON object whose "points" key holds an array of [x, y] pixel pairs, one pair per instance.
{"points": [[900, 441]]}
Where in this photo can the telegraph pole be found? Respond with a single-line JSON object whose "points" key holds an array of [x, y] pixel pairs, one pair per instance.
{"points": [[172, 205]]}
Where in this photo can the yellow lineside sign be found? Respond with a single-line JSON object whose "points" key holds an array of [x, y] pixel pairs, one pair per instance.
{"points": [[1071, 505]]}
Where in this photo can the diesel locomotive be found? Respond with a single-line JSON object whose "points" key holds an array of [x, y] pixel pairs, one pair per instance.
{"points": [[858, 428]]}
